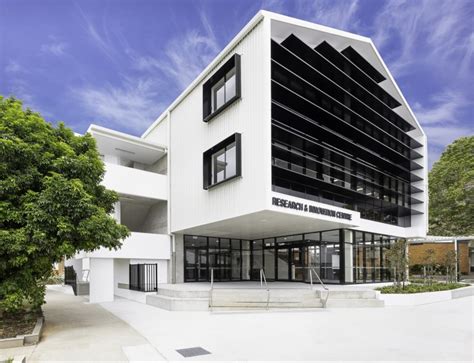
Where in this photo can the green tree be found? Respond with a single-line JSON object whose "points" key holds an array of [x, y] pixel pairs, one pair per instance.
{"points": [[451, 190], [429, 260], [449, 263], [51, 202], [397, 257]]}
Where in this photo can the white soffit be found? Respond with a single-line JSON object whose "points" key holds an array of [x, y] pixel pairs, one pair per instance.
{"points": [[111, 142], [263, 224]]}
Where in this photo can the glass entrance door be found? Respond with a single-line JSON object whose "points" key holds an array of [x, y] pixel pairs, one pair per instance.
{"points": [[313, 260], [297, 264], [202, 265]]}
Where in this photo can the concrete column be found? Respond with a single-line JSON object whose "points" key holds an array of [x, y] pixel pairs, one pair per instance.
{"points": [[101, 280], [348, 256], [118, 212], [179, 260]]}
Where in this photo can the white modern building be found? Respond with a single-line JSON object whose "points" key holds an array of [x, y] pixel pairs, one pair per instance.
{"points": [[294, 148]]}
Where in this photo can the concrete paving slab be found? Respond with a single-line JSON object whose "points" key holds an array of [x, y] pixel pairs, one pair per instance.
{"points": [[143, 352], [436, 332], [76, 331]]}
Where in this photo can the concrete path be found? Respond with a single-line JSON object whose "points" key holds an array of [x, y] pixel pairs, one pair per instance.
{"points": [[78, 331], [430, 333]]}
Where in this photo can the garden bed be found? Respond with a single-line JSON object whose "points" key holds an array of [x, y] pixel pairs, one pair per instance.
{"points": [[20, 323], [414, 288]]}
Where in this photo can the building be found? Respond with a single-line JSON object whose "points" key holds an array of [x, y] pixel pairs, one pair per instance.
{"points": [[293, 149], [463, 246]]}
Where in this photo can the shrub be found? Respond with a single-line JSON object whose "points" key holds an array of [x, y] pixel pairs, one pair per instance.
{"points": [[417, 288]]}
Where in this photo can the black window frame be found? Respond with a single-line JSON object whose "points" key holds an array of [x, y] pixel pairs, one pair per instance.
{"points": [[233, 62], [207, 161]]}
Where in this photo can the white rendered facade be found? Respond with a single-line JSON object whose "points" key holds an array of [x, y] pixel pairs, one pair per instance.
{"points": [[175, 201]]}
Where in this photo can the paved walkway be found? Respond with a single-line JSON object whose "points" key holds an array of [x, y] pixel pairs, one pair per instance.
{"points": [[430, 333], [78, 331]]}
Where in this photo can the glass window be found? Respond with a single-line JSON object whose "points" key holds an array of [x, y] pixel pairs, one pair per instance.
{"points": [[221, 162], [218, 95], [230, 90], [330, 236], [224, 90]]}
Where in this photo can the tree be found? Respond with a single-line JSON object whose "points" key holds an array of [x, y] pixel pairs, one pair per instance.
{"points": [[449, 263], [397, 256], [451, 190], [429, 260], [51, 202]]}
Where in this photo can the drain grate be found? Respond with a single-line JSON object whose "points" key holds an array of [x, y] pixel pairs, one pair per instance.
{"points": [[192, 352]]}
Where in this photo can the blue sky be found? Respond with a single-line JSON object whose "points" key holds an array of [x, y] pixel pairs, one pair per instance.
{"points": [[120, 63]]}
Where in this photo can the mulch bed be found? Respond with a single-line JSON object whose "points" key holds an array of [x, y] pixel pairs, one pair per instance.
{"points": [[19, 323]]}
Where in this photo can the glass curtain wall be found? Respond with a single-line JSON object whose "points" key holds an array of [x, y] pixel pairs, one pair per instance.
{"points": [[337, 256], [324, 111]]}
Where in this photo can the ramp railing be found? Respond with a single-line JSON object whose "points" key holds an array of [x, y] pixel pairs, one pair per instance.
{"points": [[263, 281], [311, 271]]}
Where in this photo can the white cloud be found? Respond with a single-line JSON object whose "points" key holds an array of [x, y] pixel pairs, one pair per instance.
{"points": [[441, 119], [185, 56], [427, 32], [13, 67], [132, 105], [340, 14], [55, 48], [444, 108]]}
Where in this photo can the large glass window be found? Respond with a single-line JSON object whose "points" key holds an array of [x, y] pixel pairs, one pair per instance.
{"points": [[290, 258], [222, 162]]}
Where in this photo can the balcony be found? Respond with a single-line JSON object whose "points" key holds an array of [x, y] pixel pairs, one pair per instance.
{"points": [[138, 246], [135, 182]]}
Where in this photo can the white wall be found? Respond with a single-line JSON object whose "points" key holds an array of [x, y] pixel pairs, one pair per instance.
{"points": [[101, 280], [138, 245], [162, 268], [191, 205], [121, 271], [156, 220], [159, 134], [135, 182]]}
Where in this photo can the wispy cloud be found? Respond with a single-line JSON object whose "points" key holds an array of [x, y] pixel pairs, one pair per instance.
{"points": [[185, 56], [54, 47], [427, 31], [340, 14], [443, 108], [442, 122], [100, 39], [131, 105], [13, 67]]}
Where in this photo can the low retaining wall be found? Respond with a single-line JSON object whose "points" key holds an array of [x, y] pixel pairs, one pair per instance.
{"points": [[21, 340], [425, 297]]}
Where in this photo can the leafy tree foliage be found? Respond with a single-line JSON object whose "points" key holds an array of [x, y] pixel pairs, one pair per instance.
{"points": [[51, 202], [451, 190]]}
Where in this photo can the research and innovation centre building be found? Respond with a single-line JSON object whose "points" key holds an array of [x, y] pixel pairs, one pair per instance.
{"points": [[294, 148]]}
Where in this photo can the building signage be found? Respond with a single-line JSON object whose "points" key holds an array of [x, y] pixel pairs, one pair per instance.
{"points": [[285, 203]]}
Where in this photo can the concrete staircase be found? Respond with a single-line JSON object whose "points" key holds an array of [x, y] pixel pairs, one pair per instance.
{"points": [[354, 299], [180, 300], [227, 299], [223, 299]]}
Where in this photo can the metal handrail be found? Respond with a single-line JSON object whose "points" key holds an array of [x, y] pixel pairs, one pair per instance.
{"points": [[262, 280], [212, 289], [311, 270]]}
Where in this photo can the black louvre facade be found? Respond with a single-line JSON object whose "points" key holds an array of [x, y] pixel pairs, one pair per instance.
{"points": [[335, 136]]}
